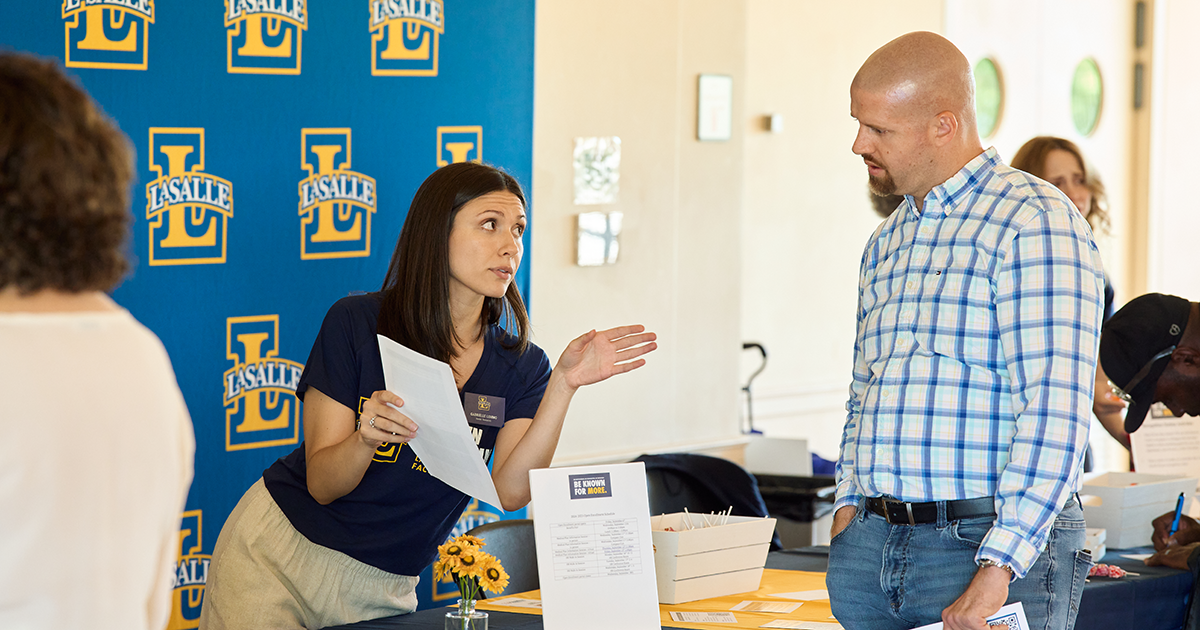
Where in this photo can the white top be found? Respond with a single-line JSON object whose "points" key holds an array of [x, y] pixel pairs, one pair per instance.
{"points": [[96, 450]]}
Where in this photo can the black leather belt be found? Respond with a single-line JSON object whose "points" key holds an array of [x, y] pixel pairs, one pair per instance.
{"points": [[901, 513]]}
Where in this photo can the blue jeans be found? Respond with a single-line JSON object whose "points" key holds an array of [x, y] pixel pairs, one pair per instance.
{"points": [[897, 577]]}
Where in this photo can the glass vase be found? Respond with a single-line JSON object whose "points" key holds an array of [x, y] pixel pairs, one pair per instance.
{"points": [[465, 617]]}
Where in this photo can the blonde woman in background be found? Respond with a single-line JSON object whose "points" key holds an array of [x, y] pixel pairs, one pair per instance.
{"points": [[1061, 163]]}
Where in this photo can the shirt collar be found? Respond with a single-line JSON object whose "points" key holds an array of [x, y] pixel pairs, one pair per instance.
{"points": [[950, 192]]}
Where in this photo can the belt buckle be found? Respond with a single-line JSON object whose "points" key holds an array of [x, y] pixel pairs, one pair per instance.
{"points": [[887, 512]]}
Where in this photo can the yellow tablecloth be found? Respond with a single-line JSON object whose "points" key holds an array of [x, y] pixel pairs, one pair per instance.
{"points": [[773, 581]]}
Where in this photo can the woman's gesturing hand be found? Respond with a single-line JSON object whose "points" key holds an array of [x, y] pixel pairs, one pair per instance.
{"points": [[595, 356], [381, 421]]}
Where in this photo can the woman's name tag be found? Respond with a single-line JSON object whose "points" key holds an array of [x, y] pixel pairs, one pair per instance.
{"points": [[484, 411]]}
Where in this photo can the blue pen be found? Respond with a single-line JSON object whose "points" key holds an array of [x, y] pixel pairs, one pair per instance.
{"points": [[1178, 513]]}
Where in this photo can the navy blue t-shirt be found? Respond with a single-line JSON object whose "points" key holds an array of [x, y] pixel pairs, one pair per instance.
{"points": [[399, 513]]}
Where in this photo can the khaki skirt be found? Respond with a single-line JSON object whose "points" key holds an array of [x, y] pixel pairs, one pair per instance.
{"points": [[265, 575]]}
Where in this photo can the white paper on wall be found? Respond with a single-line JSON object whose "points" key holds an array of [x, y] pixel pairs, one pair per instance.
{"points": [[597, 170]]}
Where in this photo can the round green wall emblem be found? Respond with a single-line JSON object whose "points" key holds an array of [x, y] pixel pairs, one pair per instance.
{"points": [[1087, 95], [989, 97]]}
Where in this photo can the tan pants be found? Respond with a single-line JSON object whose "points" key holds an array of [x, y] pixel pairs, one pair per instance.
{"points": [[265, 575]]}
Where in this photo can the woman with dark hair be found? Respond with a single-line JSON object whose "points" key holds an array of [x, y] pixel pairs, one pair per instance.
{"points": [[336, 532], [1060, 162], [89, 530]]}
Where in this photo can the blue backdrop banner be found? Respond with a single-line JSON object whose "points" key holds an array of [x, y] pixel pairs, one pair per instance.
{"points": [[279, 144]]}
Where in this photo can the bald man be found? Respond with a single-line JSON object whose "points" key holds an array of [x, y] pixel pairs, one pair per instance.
{"points": [[980, 301]]}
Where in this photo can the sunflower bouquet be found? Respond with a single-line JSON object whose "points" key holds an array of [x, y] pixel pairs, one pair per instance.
{"points": [[472, 570]]}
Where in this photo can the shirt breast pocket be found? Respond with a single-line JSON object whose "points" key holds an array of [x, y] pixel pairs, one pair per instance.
{"points": [[958, 314]]}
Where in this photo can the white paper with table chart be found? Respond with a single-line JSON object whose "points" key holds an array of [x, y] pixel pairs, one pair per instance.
{"points": [[595, 553], [1167, 445]]}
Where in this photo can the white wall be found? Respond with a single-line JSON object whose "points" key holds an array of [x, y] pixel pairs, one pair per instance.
{"points": [[806, 211], [759, 238], [629, 68], [1037, 44], [1174, 219]]}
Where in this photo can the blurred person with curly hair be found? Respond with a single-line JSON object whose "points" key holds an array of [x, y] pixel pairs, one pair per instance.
{"points": [[90, 530], [1060, 162]]}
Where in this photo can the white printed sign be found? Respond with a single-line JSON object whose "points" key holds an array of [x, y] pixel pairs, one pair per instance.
{"points": [[592, 530]]}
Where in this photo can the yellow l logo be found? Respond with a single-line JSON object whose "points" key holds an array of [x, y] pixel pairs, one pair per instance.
{"points": [[177, 235], [326, 230], [253, 420], [94, 37], [256, 47]]}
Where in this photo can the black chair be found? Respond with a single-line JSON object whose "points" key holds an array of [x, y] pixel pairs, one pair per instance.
{"points": [[511, 541], [703, 485]]}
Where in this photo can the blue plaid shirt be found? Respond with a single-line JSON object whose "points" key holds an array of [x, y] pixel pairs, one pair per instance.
{"points": [[975, 357]]}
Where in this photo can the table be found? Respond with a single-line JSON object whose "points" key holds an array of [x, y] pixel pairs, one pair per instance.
{"points": [[1160, 597], [1156, 599]]}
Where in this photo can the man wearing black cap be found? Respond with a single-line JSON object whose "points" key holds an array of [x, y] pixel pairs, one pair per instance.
{"points": [[1150, 350]]}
